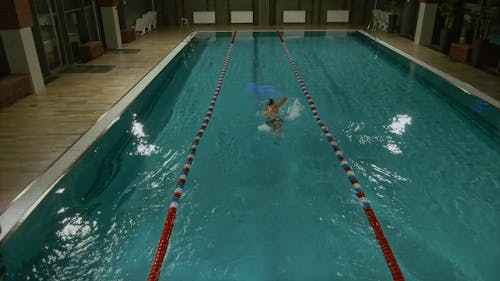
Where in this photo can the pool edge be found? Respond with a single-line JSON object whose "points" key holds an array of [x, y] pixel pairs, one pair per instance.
{"points": [[29, 198]]}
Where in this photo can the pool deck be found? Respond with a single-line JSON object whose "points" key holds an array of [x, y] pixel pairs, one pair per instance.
{"points": [[38, 129]]}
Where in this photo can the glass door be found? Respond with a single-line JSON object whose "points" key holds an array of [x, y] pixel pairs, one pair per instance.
{"points": [[90, 12], [409, 18], [82, 23], [4, 65], [81, 20], [75, 26], [48, 34], [62, 26]]}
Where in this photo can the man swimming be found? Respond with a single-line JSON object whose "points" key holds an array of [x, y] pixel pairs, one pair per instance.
{"points": [[271, 112]]}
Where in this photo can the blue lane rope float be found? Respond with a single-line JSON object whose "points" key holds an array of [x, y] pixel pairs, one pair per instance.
{"points": [[263, 92], [390, 259], [168, 226]]}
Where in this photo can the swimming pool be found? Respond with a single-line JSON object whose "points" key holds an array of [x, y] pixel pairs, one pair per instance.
{"points": [[260, 208]]}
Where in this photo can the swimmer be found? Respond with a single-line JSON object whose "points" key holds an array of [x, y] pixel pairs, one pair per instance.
{"points": [[271, 112]]}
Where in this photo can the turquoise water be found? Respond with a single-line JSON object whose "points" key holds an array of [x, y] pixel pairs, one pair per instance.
{"points": [[259, 207]]}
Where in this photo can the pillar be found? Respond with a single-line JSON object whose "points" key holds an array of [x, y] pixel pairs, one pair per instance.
{"points": [[263, 12], [425, 22], [19, 45], [111, 24]]}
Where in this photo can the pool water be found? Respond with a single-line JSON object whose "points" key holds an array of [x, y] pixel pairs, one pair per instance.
{"points": [[262, 207]]}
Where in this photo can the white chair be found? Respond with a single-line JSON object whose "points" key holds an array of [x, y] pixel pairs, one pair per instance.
{"points": [[140, 26], [384, 21], [153, 15], [148, 21], [376, 18], [380, 19]]}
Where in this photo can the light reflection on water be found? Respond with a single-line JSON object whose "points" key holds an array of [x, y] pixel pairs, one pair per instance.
{"points": [[97, 240], [242, 200], [75, 227], [399, 124], [358, 131], [142, 146]]}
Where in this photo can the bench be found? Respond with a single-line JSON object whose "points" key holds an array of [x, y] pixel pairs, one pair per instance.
{"points": [[460, 52], [128, 35], [14, 87], [91, 50]]}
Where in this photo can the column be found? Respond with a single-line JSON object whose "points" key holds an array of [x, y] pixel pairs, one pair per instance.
{"points": [[425, 22], [263, 12], [19, 45], [111, 24], [316, 13]]}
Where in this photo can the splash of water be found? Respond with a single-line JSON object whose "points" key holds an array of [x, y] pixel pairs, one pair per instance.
{"points": [[264, 128], [294, 111]]}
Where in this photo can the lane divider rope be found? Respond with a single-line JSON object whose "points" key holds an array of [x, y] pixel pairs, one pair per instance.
{"points": [[168, 226], [390, 259]]}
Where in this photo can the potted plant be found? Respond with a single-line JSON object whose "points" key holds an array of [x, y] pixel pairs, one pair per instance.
{"points": [[447, 10], [467, 33], [487, 13], [394, 6]]}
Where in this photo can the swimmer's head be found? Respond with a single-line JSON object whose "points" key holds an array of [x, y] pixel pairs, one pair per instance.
{"points": [[270, 102]]}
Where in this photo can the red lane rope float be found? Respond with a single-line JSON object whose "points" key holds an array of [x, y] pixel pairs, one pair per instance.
{"points": [[161, 251], [370, 214]]}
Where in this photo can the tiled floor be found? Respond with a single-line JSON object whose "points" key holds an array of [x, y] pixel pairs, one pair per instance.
{"points": [[37, 130]]}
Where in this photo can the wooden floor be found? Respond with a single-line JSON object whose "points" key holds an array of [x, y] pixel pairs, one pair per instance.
{"points": [[38, 129]]}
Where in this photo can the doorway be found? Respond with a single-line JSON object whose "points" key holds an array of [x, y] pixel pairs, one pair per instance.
{"points": [[409, 18], [61, 26], [4, 65]]}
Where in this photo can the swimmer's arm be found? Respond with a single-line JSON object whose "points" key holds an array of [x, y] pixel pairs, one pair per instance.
{"points": [[282, 102]]}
